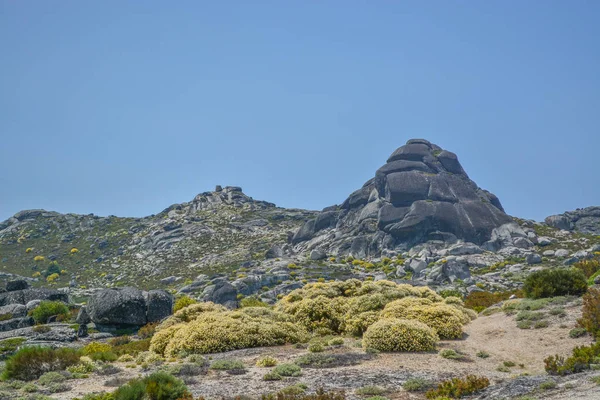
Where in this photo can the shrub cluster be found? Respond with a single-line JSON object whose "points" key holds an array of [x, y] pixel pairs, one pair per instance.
{"points": [[589, 267], [590, 317], [183, 302], [555, 282], [456, 388], [30, 363], [47, 309], [219, 331], [479, 301], [579, 361], [350, 307], [400, 335]]}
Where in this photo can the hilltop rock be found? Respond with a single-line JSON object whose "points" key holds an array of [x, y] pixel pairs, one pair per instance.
{"points": [[585, 220], [421, 194]]}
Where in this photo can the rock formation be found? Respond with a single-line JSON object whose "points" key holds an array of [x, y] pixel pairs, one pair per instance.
{"points": [[585, 220], [422, 193]]}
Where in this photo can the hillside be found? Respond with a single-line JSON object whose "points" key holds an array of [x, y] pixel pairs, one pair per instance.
{"points": [[215, 232]]}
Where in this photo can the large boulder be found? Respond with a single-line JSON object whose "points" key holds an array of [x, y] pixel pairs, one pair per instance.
{"points": [[421, 194], [118, 306], [159, 305], [586, 220], [18, 284]]}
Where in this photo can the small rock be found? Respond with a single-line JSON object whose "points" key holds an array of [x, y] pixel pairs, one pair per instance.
{"points": [[82, 331], [548, 253], [317, 254], [83, 317], [544, 241], [533, 258], [570, 261], [274, 252], [32, 304], [561, 253]]}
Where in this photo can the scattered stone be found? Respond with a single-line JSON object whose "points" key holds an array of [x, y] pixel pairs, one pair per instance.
{"points": [[18, 284], [533, 258], [317, 254]]}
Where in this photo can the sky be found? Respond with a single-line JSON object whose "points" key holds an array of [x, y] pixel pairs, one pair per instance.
{"points": [[126, 107]]}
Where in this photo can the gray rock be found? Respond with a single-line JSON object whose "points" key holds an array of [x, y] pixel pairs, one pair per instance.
{"points": [[523, 243], [32, 304], [533, 258], [18, 284], [561, 253], [159, 305], [548, 253], [83, 318], [13, 310], [170, 280], [570, 261], [274, 252], [545, 241], [82, 331], [318, 254], [118, 306], [421, 194], [597, 280], [26, 295], [16, 323], [221, 292], [581, 254], [586, 220]]}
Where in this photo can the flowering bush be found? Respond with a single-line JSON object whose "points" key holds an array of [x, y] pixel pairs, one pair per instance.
{"points": [[399, 335], [218, 331]]}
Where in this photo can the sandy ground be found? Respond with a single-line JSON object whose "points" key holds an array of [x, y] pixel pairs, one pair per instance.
{"points": [[496, 335]]}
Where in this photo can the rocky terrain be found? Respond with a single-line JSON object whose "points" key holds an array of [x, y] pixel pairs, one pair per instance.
{"points": [[419, 220], [420, 227]]}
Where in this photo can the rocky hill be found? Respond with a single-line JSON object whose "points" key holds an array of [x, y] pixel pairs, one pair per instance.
{"points": [[422, 193], [213, 233], [420, 220], [585, 220]]}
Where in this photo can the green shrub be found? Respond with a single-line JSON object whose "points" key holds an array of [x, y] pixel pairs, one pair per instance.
{"points": [[10, 345], [51, 377], [226, 365], [456, 387], [400, 335], [482, 354], [132, 348], [589, 267], [555, 282], [577, 332], [336, 341], [32, 362], [590, 317], [451, 354], [549, 384], [183, 302], [479, 301], [47, 309], [157, 386], [287, 370], [580, 360], [370, 391], [416, 385], [272, 376]]}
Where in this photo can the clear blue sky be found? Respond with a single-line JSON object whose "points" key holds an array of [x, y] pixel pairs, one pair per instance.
{"points": [[126, 107]]}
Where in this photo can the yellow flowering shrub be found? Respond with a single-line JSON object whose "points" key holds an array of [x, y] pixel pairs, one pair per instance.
{"points": [[190, 313], [399, 335], [338, 307], [219, 331], [52, 277], [446, 320], [182, 302], [74, 250], [39, 258]]}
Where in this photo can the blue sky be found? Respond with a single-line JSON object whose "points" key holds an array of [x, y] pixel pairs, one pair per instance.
{"points": [[126, 107]]}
